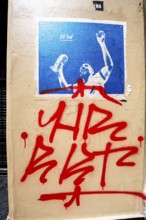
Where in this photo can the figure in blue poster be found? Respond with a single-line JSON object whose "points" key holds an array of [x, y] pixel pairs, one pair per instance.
{"points": [[70, 51]]}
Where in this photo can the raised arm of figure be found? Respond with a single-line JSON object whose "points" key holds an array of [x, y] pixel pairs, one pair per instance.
{"points": [[62, 80], [108, 62]]}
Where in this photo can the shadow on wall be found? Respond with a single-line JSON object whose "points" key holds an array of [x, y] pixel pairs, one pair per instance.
{"points": [[3, 197]]}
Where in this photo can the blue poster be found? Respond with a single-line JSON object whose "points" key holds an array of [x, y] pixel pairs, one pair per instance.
{"points": [[70, 51]]}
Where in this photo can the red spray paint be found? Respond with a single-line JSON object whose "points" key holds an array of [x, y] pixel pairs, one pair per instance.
{"points": [[46, 162]]}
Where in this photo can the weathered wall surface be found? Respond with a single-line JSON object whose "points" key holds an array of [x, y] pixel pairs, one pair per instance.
{"points": [[60, 165]]}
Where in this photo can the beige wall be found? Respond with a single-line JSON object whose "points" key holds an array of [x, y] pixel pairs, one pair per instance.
{"points": [[24, 104]]}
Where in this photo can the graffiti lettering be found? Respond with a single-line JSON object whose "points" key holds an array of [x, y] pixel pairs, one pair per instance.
{"points": [[98, 128], [79, 90], [57, 118], [35, 164], [43, 157], [94, 129]]}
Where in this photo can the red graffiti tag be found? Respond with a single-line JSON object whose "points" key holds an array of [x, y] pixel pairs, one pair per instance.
{"points": [[80, 89], [97, 121], [57, 116], [79, 169], [64, 195], [99, 127], [35, 160], [140, 139], [24, 136]]}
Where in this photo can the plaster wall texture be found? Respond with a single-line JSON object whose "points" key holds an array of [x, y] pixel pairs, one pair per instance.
{"points": [[23, 104]]}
